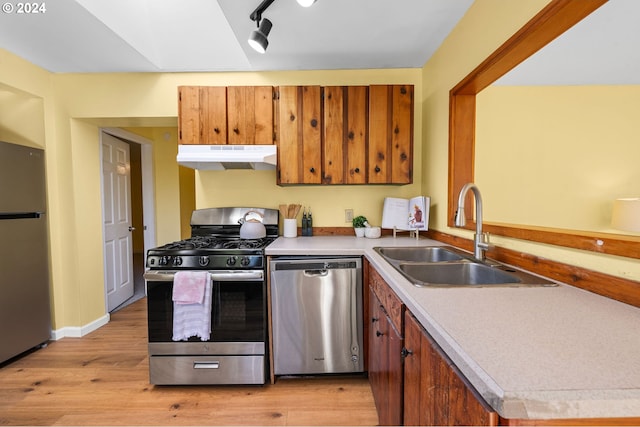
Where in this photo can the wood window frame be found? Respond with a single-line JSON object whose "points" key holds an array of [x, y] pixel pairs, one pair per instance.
{"points": [[557, 17]]}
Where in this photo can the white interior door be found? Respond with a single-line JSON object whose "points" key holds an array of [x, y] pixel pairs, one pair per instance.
{"points": [[118, 247]]}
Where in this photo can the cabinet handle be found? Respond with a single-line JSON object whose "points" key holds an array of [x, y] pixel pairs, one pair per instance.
{"points": [[236, 131], [357, 170], [377, 169], [351, 135], [379, 334], [374, 319], [314, 123], [312, 170], [405, 352], [216, 130]]}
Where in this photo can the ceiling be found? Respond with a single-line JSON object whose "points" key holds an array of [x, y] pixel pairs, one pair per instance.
{"points": [[92, 36], [603, 48]]}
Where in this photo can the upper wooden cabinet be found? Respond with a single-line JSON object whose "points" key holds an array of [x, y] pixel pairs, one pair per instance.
{"points": [[358, 134], [390, 134], [345, 135], [325, 135], [299, 133], [225, 115]]}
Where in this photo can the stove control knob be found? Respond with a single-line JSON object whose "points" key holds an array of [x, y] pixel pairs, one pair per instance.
{"points": [[203, 261], [231, 260], [177, 260], [164, 260], [245, 261]]}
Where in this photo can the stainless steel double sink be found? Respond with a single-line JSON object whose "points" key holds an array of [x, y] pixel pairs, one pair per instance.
{"points": [[446, 266]]}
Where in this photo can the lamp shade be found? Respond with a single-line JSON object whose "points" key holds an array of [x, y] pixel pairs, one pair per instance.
{"points": [[626, 214], [258, 38]]}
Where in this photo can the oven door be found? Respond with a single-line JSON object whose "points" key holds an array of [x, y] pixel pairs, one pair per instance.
{"points": [[238, 315]]}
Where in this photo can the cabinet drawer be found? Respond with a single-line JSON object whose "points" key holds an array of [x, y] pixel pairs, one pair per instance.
{"points": [[392, 304]]}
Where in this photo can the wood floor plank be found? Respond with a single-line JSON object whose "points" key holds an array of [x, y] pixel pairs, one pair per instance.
{"points": [[103, 379]]}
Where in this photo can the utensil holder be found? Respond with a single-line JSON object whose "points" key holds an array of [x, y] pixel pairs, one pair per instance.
{"points": [[290, 227]]}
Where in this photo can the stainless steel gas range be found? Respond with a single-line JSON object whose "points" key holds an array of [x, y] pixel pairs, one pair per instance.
{"points": [[235, 351]]}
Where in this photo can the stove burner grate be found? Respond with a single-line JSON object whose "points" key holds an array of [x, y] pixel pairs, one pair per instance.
{"points": [[212, 242]]}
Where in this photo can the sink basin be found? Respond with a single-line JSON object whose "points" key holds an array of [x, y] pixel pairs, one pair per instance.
{"points": [[446, 266], [468, 274], [420, 254], [457, 274]]}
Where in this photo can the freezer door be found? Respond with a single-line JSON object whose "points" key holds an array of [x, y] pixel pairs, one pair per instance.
{"points": [[22, 179], [317, 318], [25, 319]]}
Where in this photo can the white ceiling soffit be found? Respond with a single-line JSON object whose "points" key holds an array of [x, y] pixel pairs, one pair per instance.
{"points": [[210, 35], [604, 48]]}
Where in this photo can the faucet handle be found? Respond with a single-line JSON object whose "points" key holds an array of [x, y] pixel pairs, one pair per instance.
{"points": [[483, 241]]}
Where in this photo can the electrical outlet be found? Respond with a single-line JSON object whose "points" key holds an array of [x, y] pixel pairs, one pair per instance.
{"points": [[348, 215]]}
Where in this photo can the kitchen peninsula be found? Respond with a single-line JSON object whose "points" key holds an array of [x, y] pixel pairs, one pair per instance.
{"points": [[539, 353]]}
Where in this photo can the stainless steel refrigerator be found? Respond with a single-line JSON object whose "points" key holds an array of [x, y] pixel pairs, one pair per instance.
{"points": [[25, 314]]}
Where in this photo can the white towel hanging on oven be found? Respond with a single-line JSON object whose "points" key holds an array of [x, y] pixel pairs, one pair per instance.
{"points": [[191, 320]]}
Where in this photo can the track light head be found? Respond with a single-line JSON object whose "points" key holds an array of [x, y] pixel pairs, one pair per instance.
{"points": [[306, 3], [258, 38]]}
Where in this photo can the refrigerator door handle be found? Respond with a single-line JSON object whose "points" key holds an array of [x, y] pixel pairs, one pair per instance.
{"points": [[21, 215]]}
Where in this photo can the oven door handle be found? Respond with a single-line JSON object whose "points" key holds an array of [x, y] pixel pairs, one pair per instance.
{"points": [[233, 276], [216, 276], [159, 276]]}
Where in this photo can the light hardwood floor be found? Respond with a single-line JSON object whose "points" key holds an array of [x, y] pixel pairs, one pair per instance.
{"points": [[102, 379]]}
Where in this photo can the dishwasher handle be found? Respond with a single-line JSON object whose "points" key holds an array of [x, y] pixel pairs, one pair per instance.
{"points": [[315, 264], [316, 273]]}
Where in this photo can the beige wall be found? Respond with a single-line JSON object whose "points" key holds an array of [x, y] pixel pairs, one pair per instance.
{"points": [[478, 34], [571, 151]]}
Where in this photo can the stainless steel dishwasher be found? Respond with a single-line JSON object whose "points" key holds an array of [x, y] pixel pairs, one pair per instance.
{"points": [[316, 315]]}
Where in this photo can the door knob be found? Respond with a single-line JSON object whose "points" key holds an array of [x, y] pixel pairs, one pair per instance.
{"points": [[131, 228]]}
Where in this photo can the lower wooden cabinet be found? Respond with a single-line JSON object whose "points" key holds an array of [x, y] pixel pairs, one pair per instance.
{"points": [[435, 392], [415, 383], [385, 364]]}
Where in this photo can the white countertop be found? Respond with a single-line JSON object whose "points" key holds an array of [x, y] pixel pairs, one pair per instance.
{"points": [[543, 352]]}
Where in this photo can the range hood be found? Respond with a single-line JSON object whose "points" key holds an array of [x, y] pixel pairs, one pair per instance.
{"points": [[221, 157]]}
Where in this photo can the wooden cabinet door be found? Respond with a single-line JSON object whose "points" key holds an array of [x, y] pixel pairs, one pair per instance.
{"points": [[345, 134], [250, 115], [377, 352], [395, 375], [213, 115], [402, 135], [442, 395], [390, 134], [412, 389], [202, 115], [299, 135], [189, 114], [385, 364]]}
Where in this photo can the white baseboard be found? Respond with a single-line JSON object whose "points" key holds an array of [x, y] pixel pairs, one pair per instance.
{"points": [[79, 331]]}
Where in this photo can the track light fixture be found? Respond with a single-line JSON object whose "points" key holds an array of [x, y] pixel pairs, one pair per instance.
{"points": [[258, 38]]}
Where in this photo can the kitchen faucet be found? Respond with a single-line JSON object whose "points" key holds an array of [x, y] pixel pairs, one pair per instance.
{"points": [[480, 239]]}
